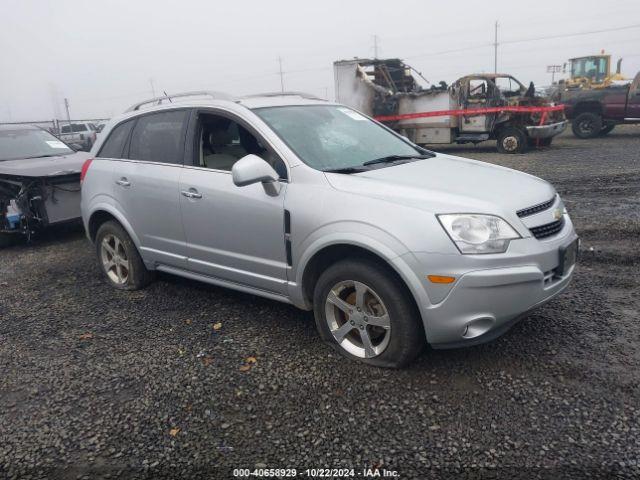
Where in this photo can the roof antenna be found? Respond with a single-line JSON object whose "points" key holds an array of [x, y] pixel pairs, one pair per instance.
{"points": [[165, 94]]}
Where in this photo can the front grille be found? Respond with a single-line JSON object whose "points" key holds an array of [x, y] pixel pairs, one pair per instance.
{"points": [[525, 212], [547, 230]]}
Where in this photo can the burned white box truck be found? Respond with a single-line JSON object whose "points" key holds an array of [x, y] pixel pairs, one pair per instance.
{"points": [[473, 109]]}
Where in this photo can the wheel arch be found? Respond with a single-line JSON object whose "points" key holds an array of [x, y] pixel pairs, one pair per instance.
{"points": [[587, 106], [330, 253], [104, 213]]}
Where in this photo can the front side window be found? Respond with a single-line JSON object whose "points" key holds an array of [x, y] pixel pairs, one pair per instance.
{"points": [[329, 137], [222, 142], [509, 86], [478, 90], [24, 144], [159, 137], [114, 145]]}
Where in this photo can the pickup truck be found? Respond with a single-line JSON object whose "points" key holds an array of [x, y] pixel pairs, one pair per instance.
{"points": [[597, 111], [83, 134]]}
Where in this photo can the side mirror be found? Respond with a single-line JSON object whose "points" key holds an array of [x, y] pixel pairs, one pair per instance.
{"points": [[253, 169]]}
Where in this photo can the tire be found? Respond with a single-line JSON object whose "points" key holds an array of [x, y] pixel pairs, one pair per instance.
{"points": [[393, 345], [607, 129], [512, 140], [587, 125], [121, 264]]}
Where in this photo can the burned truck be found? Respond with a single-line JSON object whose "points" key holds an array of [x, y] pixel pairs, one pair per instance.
{"points": [[473, 109], [39, 182]]}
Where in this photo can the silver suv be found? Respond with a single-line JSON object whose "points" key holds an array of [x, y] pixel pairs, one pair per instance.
{"points": [[312, 203]]}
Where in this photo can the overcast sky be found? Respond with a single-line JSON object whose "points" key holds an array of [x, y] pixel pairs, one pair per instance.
{"points": [[105, 55]]}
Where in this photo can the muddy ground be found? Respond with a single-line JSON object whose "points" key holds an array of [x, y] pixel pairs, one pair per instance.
{"points": [[97, 383]]}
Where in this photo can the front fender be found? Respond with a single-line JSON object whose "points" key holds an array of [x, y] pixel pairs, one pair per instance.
{"points": [[378, 242]]}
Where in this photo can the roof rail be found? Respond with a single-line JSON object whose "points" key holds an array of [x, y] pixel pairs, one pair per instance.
{"points": [[169, 98], [308, 96]]}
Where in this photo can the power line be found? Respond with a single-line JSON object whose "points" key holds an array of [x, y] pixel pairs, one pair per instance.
{"points": [[576, 34], [521, 40]]}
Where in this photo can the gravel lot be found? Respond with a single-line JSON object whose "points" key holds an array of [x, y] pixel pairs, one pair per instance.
{"points": [[100, 383]]}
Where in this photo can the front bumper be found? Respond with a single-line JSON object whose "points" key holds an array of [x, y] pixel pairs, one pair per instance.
{"points": [[546, 131], [491, 291]]}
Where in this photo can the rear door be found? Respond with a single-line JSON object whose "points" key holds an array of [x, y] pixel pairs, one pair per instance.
{"points": [[147, 185]]}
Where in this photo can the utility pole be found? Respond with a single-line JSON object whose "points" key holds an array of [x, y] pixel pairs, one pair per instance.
{"points": [[495, 49], [375, 47], [153, 90], [281, 74], [66, 106]]}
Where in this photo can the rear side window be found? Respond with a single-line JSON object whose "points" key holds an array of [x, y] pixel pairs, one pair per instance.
{"points": [[159, 137], [114, 145]]}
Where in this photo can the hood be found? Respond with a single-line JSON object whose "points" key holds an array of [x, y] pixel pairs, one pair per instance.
{"points": [[45, 166], [447, 184]]}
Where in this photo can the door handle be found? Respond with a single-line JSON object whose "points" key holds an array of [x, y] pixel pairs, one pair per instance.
{"points": [[192, 193], [123, 182]]}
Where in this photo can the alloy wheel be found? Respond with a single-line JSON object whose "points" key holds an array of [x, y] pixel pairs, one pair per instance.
{"points": [[114, 259], [358, 319]]}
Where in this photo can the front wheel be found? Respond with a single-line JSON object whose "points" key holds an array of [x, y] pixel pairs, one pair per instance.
{"points": [[362, 310], [512, 140], [587, 125], [119, 259]]}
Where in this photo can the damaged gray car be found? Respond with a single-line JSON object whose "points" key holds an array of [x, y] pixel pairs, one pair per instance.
{"points": [[39, 182]]}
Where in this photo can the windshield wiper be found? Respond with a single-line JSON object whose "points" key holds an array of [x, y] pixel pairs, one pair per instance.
{"points": [[345, 170], [395, 158]]}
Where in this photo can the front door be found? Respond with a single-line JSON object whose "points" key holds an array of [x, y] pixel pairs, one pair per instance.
{"points": [[233, 233], [477, 95]]}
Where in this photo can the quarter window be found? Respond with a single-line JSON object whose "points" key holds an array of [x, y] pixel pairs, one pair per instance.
{"points": [[159, 137], [114, 145]]}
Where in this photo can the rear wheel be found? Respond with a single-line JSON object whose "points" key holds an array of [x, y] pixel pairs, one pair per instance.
{"points": [[119, 259], [365, 314], [587, 125], [512, 140]]}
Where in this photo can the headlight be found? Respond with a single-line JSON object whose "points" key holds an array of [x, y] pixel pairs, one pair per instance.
{"points": [[474, 233]]}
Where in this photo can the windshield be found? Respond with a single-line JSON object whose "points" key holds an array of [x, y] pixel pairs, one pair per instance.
{"points": [[22, 144], [331, 137]]}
